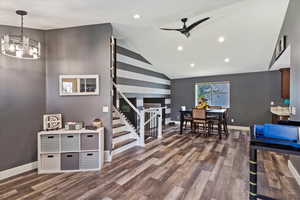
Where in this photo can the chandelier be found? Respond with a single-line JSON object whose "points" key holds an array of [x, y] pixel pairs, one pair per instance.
{"points": [[20, 46]]}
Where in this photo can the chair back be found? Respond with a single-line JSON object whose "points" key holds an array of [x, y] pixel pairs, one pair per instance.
{"points": [[215, 107], [199, 114], [187, 115], [226, 115]]}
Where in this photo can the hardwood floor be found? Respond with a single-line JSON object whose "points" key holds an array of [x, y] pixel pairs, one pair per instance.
{"points": [[177, 167]]}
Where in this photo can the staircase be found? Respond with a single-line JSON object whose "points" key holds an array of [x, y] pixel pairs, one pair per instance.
{"points": [[124, 134]]}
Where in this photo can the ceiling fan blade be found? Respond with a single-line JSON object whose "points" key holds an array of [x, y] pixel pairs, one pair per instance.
{"points": [[171, 29], [189, 28]]}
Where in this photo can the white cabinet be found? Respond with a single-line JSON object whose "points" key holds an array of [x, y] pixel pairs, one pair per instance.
{"points": [[70, 150]]}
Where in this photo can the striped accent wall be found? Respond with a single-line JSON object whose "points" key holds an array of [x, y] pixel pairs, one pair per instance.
{"points": [[136, 78]]}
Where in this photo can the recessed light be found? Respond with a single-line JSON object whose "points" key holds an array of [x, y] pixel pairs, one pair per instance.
{"points": [[136, 16], [192, 65], [227, 60], [221, 39], [180, 48]]}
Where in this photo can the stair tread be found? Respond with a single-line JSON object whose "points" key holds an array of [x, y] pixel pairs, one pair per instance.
{"points": [[116, 118], [117, 125], [123, 143], [115, 135]]}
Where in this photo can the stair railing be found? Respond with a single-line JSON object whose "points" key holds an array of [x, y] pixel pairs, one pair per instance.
{"points": [[154, 121], [127, 100], [140, 116], [156, 113]]}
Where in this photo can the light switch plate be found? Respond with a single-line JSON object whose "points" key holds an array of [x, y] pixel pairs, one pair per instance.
{"points": [[105, 109]]}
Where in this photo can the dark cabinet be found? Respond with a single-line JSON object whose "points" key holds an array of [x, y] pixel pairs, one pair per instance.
{"points": [[285, 83]]}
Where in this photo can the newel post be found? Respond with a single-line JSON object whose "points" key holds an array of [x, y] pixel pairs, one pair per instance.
{"points": [[142, 128], [159, 135]]}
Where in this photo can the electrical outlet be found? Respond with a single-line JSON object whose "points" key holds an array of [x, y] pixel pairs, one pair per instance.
{"points": [[232, 120]]}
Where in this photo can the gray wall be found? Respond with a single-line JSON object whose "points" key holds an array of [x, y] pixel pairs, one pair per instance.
{"points": [[80, 50], [250, 95], [22, 104], [291, 28], [127, 66]]}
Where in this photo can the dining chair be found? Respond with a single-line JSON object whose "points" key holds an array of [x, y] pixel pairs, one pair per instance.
{"points": [[215, 119], [224, 122], [199, 117], [221, 122], [187, 118]]}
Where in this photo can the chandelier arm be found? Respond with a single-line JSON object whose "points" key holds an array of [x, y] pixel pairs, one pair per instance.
{"points": [[22, 21]]}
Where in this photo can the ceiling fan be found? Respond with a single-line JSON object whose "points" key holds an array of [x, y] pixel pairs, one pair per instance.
{"points": [[185, 30]]}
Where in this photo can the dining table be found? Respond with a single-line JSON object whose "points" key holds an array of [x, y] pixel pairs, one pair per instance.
{"points": [[219, 113]]}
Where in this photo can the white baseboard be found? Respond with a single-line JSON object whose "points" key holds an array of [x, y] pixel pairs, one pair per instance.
{"points": [[294, 172], [17, 170], [107, 156]]}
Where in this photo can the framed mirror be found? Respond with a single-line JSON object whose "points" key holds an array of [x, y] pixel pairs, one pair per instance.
{"points": [[74, 85]]}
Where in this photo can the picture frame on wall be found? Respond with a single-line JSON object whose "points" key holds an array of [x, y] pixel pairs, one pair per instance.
{"points": [[79, 85], [52, 121]]}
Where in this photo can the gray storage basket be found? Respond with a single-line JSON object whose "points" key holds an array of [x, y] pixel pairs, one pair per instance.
{"points": [[89, 141], [89, 160], [50, 162], [50, 143], [70, 142], [69, 161]]}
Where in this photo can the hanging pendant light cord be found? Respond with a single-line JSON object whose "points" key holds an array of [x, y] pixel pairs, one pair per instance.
{"points": [[22, 28]]}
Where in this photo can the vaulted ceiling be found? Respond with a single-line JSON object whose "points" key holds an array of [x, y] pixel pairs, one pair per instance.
{"points": [[250, 29]]}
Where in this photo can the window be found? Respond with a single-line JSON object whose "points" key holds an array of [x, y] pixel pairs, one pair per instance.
{"points": [[217, 93]]}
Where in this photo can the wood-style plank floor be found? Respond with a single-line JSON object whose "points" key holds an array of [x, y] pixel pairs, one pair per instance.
{"points": [[177, 167]]}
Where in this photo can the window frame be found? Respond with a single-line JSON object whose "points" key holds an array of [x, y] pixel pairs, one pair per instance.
{"points": [[212, 82], [79, 77]]}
